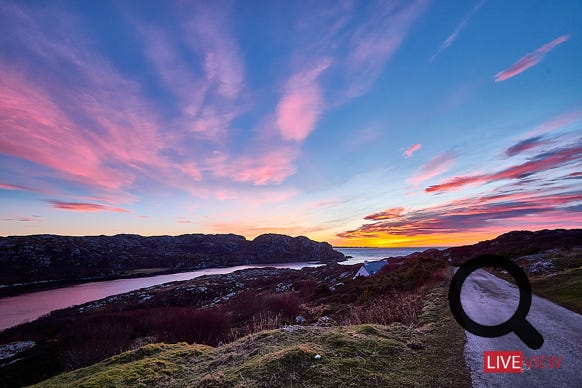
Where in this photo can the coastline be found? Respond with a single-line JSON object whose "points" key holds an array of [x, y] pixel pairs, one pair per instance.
{"points": [[26, 288]]}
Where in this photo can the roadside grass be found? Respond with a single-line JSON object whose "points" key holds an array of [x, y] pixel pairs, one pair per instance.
{"points": [[563, 288], [427, 354], [561, 283]]}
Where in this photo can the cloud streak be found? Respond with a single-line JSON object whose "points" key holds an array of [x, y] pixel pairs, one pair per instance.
{"points": [[542, 162], [387, 214], [530, 59], [24, 219], [375, 42], [411, 150], [473, 215], [455, 34], [8, 186], [438, 165], [85, 207], [557, 123], [525, 145]]}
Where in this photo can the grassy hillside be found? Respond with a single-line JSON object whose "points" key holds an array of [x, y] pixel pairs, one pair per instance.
{"points": [[427, 354], [555, 274]]}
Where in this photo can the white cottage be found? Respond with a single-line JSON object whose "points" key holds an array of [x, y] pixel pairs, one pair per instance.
{"points": [[371, 268]]}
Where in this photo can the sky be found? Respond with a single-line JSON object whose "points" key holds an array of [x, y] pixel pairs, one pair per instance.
{"points": [[360, 123]]}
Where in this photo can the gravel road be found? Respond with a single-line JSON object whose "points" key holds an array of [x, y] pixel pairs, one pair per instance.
{"points": [[490, 300]]}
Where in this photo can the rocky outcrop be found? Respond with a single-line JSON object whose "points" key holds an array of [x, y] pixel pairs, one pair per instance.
{"points": [[518, 243], [37, 258]]}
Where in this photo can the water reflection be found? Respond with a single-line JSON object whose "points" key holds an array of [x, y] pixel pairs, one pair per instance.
{"points": [[27, 307]]}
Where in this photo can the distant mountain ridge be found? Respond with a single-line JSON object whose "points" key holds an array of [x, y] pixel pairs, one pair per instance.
{"points": [[38, 258]]}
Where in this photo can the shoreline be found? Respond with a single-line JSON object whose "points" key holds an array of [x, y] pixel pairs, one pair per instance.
{"points": [[45, 285]]}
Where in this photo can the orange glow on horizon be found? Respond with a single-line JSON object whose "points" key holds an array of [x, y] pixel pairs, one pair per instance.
{"points": [[432, 240]]}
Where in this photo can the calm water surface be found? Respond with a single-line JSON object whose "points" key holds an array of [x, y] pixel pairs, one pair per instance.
{"points": [[27, 307]]}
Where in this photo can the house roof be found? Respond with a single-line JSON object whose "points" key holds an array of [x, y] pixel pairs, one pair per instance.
{"points": [[373, 267]]}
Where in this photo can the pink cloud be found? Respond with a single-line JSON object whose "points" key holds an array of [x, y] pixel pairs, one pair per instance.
{"points": [[456, 183], [301, 104], [207, 32], [208, 96], [191, 170], [386, 214], [93, 126], [542, 162], [435, 166], [529, 209], [412, 149], [35, 129], [8, 186], [271, 167], [530, 59], [85, 207]]}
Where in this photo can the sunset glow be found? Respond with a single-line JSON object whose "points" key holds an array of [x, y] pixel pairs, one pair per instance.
{"points": [[385, 123]]}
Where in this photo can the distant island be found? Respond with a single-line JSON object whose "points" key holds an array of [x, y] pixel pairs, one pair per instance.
{"points": [[31, 262]]}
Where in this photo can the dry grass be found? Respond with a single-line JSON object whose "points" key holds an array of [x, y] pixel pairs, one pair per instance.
{"points": [[403, 307], [426, 354]]}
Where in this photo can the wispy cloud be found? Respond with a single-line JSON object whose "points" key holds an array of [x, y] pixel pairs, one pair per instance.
{"points": [[301, 104], [208, 93], [93, 126], [438, 165], [559, 122], [530, 59], [387, 214], [525, 145], [8, 186], [375, 42], [411, 150], [271, 167], [542, 162], [85, 207], [522, 198], [181, 80], [40, 132], [23, 219], [208, 32], [455, 34], [475, 214]]}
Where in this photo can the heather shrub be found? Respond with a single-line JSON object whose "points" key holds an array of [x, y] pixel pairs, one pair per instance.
{"points": [[285, 304], [403, 307]]}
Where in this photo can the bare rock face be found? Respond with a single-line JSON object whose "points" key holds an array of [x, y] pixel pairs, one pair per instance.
{"points": [[50, 257]]}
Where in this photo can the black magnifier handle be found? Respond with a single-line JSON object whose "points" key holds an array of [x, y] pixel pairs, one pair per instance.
{"points": [[528, 334]]}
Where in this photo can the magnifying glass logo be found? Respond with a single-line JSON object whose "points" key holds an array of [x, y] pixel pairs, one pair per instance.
{"points": [[517, 323]]}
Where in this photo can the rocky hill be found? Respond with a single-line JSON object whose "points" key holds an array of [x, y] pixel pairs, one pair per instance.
{"points": [[42, 258], [519, 243], [512, 245]]}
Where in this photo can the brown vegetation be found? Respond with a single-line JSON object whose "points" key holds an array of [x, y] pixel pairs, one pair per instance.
{"points": [[80, 339]]}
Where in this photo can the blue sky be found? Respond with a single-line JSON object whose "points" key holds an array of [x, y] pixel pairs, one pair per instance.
{"points": [[392, 123]]}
